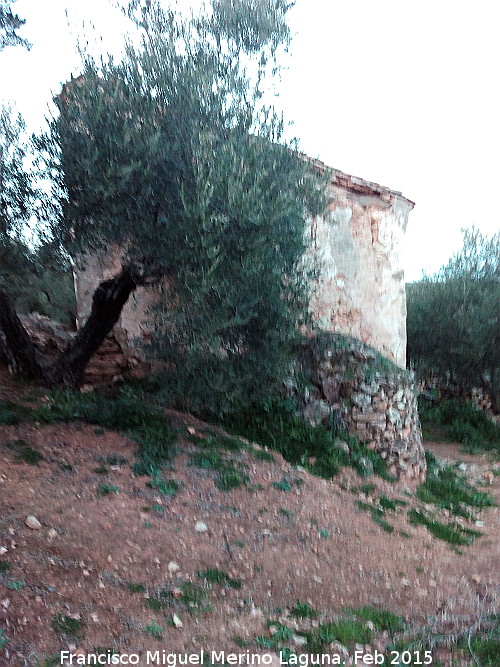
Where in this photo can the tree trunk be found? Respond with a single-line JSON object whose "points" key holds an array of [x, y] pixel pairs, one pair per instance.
{"points": [[107, 303], [15, 342]]}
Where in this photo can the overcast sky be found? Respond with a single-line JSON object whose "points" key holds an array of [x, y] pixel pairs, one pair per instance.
{"points": [[397, 92]]}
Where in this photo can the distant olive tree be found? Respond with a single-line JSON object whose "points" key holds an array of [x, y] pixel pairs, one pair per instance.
{"points": [[454, 316], [9, 25]]}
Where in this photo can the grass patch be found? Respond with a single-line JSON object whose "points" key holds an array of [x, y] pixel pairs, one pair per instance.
{"points": [[154, 630], [24, 452], [447, 489], [214, 576], [132, 412], [136, 588], [67, 626], [12, 413], [4, 566], [459, 421], [167, 487], [382, 619], [262, 455], [105, 489], [345, 631], [188, 594], [231, 475], [452, 533], [390, 503], [303, 610], [377, 514], [274, 424]]}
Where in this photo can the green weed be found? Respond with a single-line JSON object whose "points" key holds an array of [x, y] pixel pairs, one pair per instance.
{"points": [[303, 610], [65, 625], [105, 489], [12, 413], [189, 594], [230, 474], [134, 413], [154, 630], [284, 485], [167, 487], [25, 453], [3, 639], [239, 641], [460, 421], [382, 619], [136, 588], [274, 424], [345, 631], [262, 455], [452, 533], [377, 514], [446, 488], [214, 576], [4, 566], [16, 585]]}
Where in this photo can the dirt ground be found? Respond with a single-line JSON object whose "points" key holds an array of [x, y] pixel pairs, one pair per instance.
{"points": [[101, 559]]}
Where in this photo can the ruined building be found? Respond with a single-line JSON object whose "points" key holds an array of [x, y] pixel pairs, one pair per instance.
{"points": [[360, 290]]}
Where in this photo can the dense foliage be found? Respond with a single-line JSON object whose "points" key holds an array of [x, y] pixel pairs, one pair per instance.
{"points": [[170, 155], [454, 316], [458, 421]]}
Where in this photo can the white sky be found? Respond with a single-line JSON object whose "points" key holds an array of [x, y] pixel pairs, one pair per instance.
{"points": [[397, 92]]}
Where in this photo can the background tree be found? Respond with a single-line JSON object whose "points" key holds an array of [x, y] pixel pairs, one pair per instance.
{"points": [[9, 25], [171, 155], [454, 316]]}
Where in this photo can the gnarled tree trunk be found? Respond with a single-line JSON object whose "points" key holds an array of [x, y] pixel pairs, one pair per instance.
{"points": [[107, 303]]}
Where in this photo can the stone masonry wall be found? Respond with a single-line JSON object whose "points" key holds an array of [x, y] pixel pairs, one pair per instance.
{"points": [[340, 379]]}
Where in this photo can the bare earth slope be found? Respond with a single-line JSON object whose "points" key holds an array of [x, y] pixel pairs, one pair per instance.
{"points": [[101, 558]]}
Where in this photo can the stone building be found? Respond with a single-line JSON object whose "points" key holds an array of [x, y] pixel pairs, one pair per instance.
{"points": [[360, 290]]}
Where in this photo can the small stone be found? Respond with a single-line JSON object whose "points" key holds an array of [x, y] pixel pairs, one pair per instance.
{"points": [[191, 430], [489, 477], [298, 640], [32, 522], [370, 626], [200, 527], [3, 550], [176, 621], [94, 617], [462, 467], [480, 524], [173, 567], [6, 603], [52, 533], [476, 578], [405, 582]]}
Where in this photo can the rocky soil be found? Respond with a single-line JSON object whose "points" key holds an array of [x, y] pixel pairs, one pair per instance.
{"points": [[101, 544]]}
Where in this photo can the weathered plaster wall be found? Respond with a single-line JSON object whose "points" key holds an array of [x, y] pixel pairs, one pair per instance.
{"points": [[134, 321], [358, 244]]}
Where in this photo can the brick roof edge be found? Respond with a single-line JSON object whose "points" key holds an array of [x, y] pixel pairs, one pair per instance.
{"points": [[356, 183]]}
